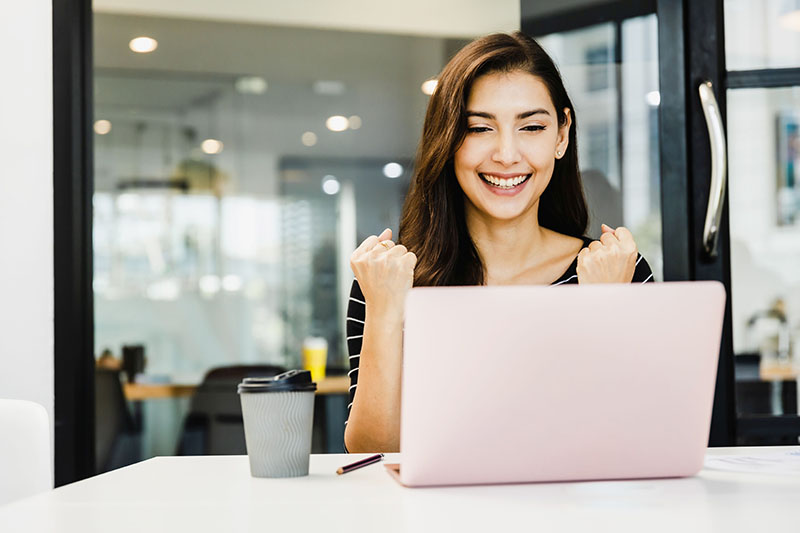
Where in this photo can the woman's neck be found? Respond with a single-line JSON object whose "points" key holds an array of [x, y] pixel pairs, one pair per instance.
{"points": [[507, 247]]}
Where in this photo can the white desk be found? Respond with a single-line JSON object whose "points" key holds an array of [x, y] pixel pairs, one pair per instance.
{"points": [[205, 494]]}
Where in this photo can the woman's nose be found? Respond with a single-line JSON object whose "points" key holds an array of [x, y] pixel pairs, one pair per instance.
{"points": [[506, 152]]}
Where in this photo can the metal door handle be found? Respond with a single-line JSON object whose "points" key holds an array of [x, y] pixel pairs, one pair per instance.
{"points": [[719, 169]]}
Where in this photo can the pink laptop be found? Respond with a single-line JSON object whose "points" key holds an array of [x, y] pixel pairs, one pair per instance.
{"points": [[520, 384]]}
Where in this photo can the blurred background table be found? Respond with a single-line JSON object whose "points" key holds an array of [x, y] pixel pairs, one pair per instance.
{"points": [[149, 391]]}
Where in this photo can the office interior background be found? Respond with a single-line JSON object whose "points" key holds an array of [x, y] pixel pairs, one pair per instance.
{"points": [[240, 160], [226, 203]]}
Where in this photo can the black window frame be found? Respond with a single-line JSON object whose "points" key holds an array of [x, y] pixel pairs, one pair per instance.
{"points": [[73, 186]]}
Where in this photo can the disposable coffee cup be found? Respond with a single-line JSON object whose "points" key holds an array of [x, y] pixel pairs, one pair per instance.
{"points": [[278, 417]]}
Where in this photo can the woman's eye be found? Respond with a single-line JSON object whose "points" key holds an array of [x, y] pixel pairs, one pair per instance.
{"points": [[477, 129], [533, 127]]}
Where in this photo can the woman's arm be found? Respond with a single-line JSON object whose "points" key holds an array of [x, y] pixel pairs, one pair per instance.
{"points": [[373, 423], [384, 274]]}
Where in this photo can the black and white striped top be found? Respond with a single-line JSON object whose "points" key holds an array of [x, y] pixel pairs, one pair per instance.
{"points": [[356, 311]]}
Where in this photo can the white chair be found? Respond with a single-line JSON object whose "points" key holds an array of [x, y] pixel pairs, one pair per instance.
{"points": [[24, 450]]}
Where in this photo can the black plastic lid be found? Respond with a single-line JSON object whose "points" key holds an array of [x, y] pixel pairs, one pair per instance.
{"points": [[291, 381]]}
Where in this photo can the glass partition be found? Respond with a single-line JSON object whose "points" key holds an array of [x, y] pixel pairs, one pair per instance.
{"points": [[762, 34], [764, 202]]}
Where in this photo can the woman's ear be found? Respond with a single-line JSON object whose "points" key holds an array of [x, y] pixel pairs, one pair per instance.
{"points": [[563, 134]]}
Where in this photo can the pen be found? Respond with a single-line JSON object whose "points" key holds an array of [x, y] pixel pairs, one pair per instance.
{"points": [[358, 464]]}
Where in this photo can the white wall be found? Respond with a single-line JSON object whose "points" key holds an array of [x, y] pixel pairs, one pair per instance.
{"points": [[26, 204]]}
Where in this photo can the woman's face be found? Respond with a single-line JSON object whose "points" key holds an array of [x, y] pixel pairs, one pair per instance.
{"points": [[513, 139]]}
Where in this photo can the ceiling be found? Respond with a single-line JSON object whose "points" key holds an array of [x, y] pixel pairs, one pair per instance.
{"points": [[381, 52], [440, 18]]}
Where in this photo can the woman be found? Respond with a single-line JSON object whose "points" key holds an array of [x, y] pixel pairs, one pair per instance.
{"points": [[496, 199]]}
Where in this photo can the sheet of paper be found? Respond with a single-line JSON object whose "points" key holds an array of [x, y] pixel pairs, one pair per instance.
{"points": [[786, 463]]}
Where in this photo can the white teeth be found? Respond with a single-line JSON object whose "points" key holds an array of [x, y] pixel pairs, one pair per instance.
{"points": [[505, 183]]}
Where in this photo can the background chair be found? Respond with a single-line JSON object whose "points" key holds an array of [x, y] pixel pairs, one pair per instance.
{"points": [[117, 437], [214, 424], [24, 450]]}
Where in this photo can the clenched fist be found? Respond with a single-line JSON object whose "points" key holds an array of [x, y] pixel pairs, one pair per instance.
{"points": [[612, 259], [385, 272]]}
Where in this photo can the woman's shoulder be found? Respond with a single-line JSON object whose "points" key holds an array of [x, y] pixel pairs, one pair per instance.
{"points": [[563, 241], [570, 246]]}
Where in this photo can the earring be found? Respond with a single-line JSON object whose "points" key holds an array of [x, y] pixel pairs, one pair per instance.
{"points": [[558, 154]]}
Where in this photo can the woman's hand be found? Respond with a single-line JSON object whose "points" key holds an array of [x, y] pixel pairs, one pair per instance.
{"points": [[385, 272], [612, 259]]}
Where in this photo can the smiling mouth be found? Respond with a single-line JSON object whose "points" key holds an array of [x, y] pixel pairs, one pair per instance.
{"points": [[504, 183]]}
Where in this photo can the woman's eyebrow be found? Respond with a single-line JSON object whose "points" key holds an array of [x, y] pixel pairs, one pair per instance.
{"points": [[520, 116], [532, 112]]}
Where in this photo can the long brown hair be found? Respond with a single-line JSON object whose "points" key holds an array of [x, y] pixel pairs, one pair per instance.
{"points": [[433, 223]]}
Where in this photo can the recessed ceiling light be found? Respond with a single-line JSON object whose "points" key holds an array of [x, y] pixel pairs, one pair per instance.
{"points": [[251, 85], [309, 138], [329, 87], [355, 122], [429, 86], [392, 170], [143, 45], [330, 185], [212, 146], [337, 123], [102, 126]]}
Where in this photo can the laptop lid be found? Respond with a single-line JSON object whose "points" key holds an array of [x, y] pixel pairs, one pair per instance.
{"points": [[539, 383]]}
